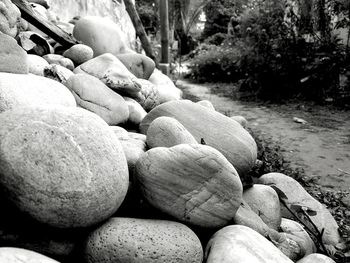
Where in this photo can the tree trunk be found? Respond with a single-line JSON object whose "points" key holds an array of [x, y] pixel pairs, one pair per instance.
{"points": [[180, 28], [164, 29], [140, 31]]}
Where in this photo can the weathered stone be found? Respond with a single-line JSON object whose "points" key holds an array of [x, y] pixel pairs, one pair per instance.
{"points": [[13, 59], [9, 18], [316, 258], [241, 120], [167, 132], [59, 60], [58, 73], [136, 112], [265, 203], [298, 196], [139, 65], [192, 182], [20, 90], [157, 241], [217, 130], [91, 94], [63, 166], [79, 53], [206, 103], [166, 89], [111, 72]]}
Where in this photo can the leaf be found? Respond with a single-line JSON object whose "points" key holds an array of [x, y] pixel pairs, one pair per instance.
{"points": [[280, 193], [203, 142]]}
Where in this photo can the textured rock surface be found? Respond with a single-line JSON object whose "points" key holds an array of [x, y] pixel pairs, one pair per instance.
{"points": [[37, 65], [102, 35], [91, 94], [62, 166], [148, 96], [191, 182], [9, 18], [206, 103], [20, 255], [143, 240], [166, 88], [59, 60], [297, 195], [139, 65], [79, 53], [297, 232], [58, 73], [241, 244], [167, 132], [13, 59], [19, 90], [111, 72], [265, 202], [217, 130]]}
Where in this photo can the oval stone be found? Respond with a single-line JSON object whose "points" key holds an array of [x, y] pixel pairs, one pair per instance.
{"points": [[143, 241], [20, 255], [62, 166]]}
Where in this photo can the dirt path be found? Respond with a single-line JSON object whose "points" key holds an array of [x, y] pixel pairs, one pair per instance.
{"points": [[321, 146]]}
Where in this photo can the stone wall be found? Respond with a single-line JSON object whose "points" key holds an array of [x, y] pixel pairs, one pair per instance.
{"points": [[113, 9]]}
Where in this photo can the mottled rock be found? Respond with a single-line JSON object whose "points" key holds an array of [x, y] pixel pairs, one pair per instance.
{"points": [[192, 182], [9, 18], [111, 72], [59, 60], [79, 53], [20, 90], [167, 132], [91, 94], [13, 59], [143, 240], [62, 166]]}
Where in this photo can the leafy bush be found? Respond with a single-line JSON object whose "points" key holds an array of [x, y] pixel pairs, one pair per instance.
{"points": [[215, 63], [216, 39]]}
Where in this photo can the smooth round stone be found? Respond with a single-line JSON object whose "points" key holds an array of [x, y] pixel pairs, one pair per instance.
{"points": [[143, 241], [136, 112], [62, 166], [79, 53], [20, 255], [241, 120], [167, 132], [207, 104], [264, 201], [26, 90], [59, 60], [37, 65], [241, 244], [193, 183], [91, 94], [139, 65], [13, 59]]}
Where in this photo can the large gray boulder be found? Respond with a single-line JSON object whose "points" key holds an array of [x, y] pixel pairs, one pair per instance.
{"points": [[62, 166]]}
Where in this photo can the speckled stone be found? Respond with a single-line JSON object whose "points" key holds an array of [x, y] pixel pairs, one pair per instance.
{"points": [[122, 240], [63, 166]]}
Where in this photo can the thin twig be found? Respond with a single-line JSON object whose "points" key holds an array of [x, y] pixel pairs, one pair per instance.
{"points": [[342, 171]]}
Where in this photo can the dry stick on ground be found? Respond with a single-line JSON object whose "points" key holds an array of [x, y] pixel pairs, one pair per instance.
{"points": [[140, 31], [41, 23]]}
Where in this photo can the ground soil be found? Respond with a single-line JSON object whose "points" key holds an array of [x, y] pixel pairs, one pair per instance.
{"points": [[320, 148]]}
